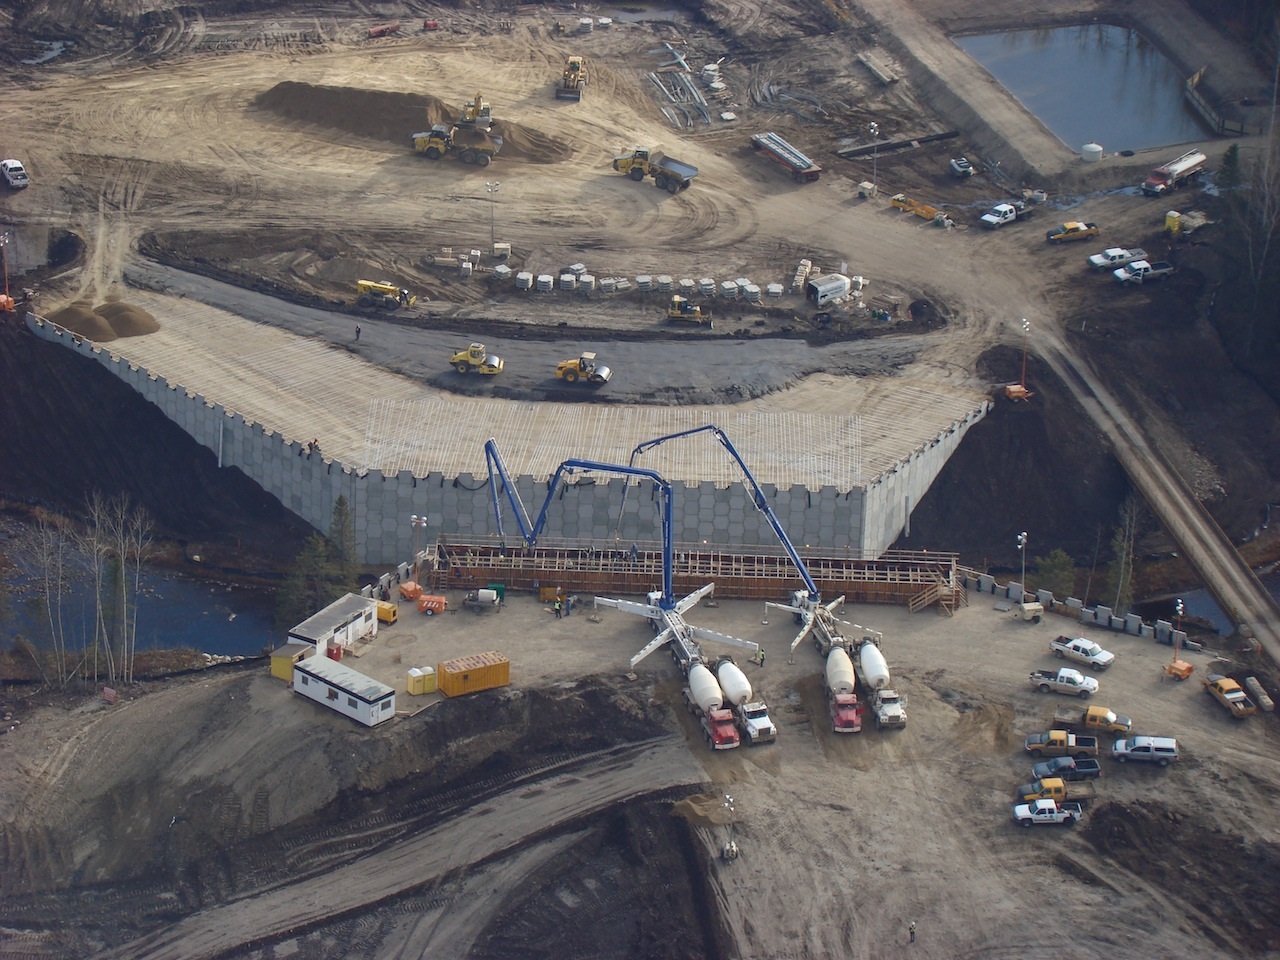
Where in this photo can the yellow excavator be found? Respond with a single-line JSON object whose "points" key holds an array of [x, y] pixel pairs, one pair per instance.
{"points": [[573, 80], [477, 114]]}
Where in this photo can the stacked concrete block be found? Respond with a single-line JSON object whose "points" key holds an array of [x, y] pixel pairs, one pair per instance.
{"points": [[502, 272], [664, 283], [545, 283], [568, 281], [524, 280], [773, 291], [687, 287], [608, 284], [728, 290], [587, 283], [644, 283], [707, 286]]}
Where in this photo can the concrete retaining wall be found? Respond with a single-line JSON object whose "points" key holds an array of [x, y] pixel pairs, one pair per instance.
{"points": [[866, 520]]}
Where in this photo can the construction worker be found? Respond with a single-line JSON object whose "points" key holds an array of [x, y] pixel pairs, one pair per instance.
{"points": [[556, 606], [760, 656], [357, 331]]}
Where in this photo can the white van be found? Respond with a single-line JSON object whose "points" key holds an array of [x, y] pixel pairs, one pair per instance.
{"points": [[1161, 750]]}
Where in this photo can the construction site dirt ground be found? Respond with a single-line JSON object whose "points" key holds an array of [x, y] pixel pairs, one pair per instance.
{"points": [[577, 813], [260, 824]]}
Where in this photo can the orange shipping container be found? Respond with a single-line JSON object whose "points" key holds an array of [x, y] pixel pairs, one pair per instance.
{"points": [[482, 671]]}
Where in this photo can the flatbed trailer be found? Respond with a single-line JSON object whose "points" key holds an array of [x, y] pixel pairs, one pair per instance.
{"points": [[803, 170]]}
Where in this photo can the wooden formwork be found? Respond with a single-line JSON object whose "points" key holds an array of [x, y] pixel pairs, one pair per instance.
{"points": [[906, 578]]}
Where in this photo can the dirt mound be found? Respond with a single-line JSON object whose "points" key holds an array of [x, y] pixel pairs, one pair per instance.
{"points": [[395, 117], [80, 317], [127, 320], [703, 810], [106, 322]]}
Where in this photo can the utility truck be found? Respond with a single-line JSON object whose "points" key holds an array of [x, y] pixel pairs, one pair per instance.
{"points": [[1003, 213], [1047, 811], [1142, 271], [1113, 258], [1174, 173], [668, 173], [1067, 680], [1091, 720], [1060, 743], [1082, 650]]}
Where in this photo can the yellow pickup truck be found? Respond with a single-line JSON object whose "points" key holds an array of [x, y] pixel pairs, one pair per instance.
{"points": [[1231, 695], [1072, 230], [1091, 720], [1055, 788]]}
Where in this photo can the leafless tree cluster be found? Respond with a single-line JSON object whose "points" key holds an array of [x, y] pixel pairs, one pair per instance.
{"points": [[110, 550]]}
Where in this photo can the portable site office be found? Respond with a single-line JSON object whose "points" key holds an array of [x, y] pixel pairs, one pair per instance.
{"points": [[341, 623], [349, 692]]}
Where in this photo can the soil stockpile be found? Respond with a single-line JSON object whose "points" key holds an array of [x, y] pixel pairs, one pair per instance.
{"points": [[127, 320], [107, 322], [395, 117]]}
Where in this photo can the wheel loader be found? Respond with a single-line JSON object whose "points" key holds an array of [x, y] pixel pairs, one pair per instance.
{"points": [[573, 80], [477, 358], [386, 296], [584, 369]]}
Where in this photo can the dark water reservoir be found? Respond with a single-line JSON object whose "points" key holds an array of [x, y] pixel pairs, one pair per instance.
{"points": [[1095, 83]]}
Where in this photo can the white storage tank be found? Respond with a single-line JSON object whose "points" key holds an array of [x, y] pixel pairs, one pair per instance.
{"points": [[1091, 152], [839, 671], [734, 683], [875, 671], [703, 688]]}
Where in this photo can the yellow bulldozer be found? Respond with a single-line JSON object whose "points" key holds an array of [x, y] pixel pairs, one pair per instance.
{"points": [[683, 310], [387, 296], [476, 358], [573, 80]]}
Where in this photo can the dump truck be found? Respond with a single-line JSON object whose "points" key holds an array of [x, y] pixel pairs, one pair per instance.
{"points": [[1071, 682], [476, 358], [1047, 811], [469, 144], [1072, 230], [573, 79], [1174, 174], [1091, 719], [801, 168], [585, 369], [683, 310], [1230, 694], [1056, 788], [668, 173], [1060, 743], [379, 293]]}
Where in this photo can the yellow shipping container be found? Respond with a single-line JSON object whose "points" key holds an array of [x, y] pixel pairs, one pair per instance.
{"points": [[481, 671], [387, 612], [284, 657]]}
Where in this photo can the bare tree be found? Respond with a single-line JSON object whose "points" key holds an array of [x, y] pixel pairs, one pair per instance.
{"points": [[94, 547], [1120, 570], [52, 557]]}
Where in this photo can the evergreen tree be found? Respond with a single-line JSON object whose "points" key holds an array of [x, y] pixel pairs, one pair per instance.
{"points": [[342, 543], [313, 583], [1229, 173], [1056, 573]]}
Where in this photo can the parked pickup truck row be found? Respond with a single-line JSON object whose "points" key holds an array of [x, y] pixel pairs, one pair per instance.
{"points": [[1067, 768], [1055, 788], [1091, 720], [1060, 743], [1066, 680]]}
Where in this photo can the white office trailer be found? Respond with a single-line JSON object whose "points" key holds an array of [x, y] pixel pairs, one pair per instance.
{"points": [[349, 692], [340, 624]]}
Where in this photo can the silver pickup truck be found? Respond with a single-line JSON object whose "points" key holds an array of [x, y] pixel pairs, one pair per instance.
{"points": [[1068, 681]]}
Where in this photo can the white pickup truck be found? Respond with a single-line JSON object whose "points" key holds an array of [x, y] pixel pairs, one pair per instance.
{"points": [[1066, 680], [1003, 213], [1115, 257], [1047, 811], [14, 174], [1082, 650], [1141, 271]]}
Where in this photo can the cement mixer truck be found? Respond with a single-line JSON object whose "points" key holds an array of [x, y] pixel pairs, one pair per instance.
{"points": [[838, 683], [750, 716], [888, 707], [705, 701]]}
